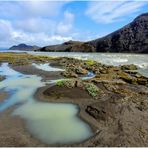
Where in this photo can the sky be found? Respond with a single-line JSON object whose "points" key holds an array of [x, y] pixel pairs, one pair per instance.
{"points": [[44, 23]]}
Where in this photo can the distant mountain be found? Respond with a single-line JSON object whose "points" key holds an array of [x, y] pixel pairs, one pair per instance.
{"points": [[132, 38], [24, 47]]}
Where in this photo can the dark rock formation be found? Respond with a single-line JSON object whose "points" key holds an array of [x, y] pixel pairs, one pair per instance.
{"points": [[132, 38], [24, 47], [70, 46]]}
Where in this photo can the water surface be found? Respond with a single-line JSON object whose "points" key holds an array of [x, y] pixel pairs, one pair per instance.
{"points": [[50, 122], [141, 60], [46, 67]]}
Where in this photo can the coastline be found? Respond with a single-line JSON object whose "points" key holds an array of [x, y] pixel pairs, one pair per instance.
{"points": [[115, 116]]}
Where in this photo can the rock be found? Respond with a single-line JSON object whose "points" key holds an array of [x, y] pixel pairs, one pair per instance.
{"points": [[80, 70], [97, 72], [142, 81], [93, 112], [102, 77], [1, 78], [129, 67], [69, 74], [131, 38], [71, 83], [79, 83], [103, 110], [24, 47], [126, 77], [92, 89]]}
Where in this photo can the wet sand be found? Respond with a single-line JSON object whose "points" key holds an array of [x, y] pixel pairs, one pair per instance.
{"points": [[14, 133], [32, 70]]}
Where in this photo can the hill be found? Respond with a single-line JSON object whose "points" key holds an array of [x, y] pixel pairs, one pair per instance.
{"points": [[132, 38], [24, 47]]}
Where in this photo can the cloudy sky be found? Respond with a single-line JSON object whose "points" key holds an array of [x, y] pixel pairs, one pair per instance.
{"points": [[50, 22]]}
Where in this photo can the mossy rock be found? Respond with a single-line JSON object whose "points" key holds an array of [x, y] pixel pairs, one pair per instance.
{"points": [[129, 67], [90, 62], [142, 81], [71, 83], [69, 74], [126, 77], [80, 70], [103, 77], [92, 89]]}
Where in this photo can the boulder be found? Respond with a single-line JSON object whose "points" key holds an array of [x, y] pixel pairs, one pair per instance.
{"points": [[80, 70], [129, 67], [126, 77], [69, 74], [142, 81]]}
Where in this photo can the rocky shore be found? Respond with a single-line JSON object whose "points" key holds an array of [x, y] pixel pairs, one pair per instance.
{"points": [[114, 102]]}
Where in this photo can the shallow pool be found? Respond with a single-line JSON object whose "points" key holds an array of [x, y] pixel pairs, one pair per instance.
{"points": [[49, 122]]}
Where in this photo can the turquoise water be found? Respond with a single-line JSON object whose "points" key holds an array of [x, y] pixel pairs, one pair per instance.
{"points": [[49, 122]]}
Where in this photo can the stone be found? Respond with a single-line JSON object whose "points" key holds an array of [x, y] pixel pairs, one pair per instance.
{"points": [[126, 77], [129, 67], [80, 70], [142, 81], [69, 74]]}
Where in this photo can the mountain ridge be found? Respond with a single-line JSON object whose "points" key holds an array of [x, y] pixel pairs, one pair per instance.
{"points": [[132, 38], [23, 46]]}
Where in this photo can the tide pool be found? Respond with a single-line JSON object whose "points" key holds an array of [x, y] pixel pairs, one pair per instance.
{"points": [[51, 123]]}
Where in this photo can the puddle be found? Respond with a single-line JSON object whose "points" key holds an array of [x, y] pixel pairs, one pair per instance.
{"points": [[46, 67], [50, 122]]}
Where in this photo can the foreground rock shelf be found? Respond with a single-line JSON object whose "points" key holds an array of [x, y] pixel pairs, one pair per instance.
{"points": [[114, 102]]}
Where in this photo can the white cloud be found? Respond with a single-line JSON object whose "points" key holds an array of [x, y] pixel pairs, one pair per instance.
{"points": [[111, 11], [40, 39], [9, 36], [34, 25], [34, 22], [6, 30], [27, 9], [66, 25]]}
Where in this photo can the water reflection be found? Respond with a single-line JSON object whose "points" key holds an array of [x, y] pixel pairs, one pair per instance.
{"points": [[50, 122], [46, 67]]}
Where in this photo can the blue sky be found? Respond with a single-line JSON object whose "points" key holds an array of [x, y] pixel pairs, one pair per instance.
{"points": [[52, 22]]}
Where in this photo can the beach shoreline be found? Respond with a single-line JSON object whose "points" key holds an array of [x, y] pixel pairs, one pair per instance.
{"points": [[118, 116]]}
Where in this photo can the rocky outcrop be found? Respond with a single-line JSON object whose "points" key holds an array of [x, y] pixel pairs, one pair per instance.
{"points": [[132, 38], [70, 46], [24, 47], [114, 102], [2, 78], [75, 68]]}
